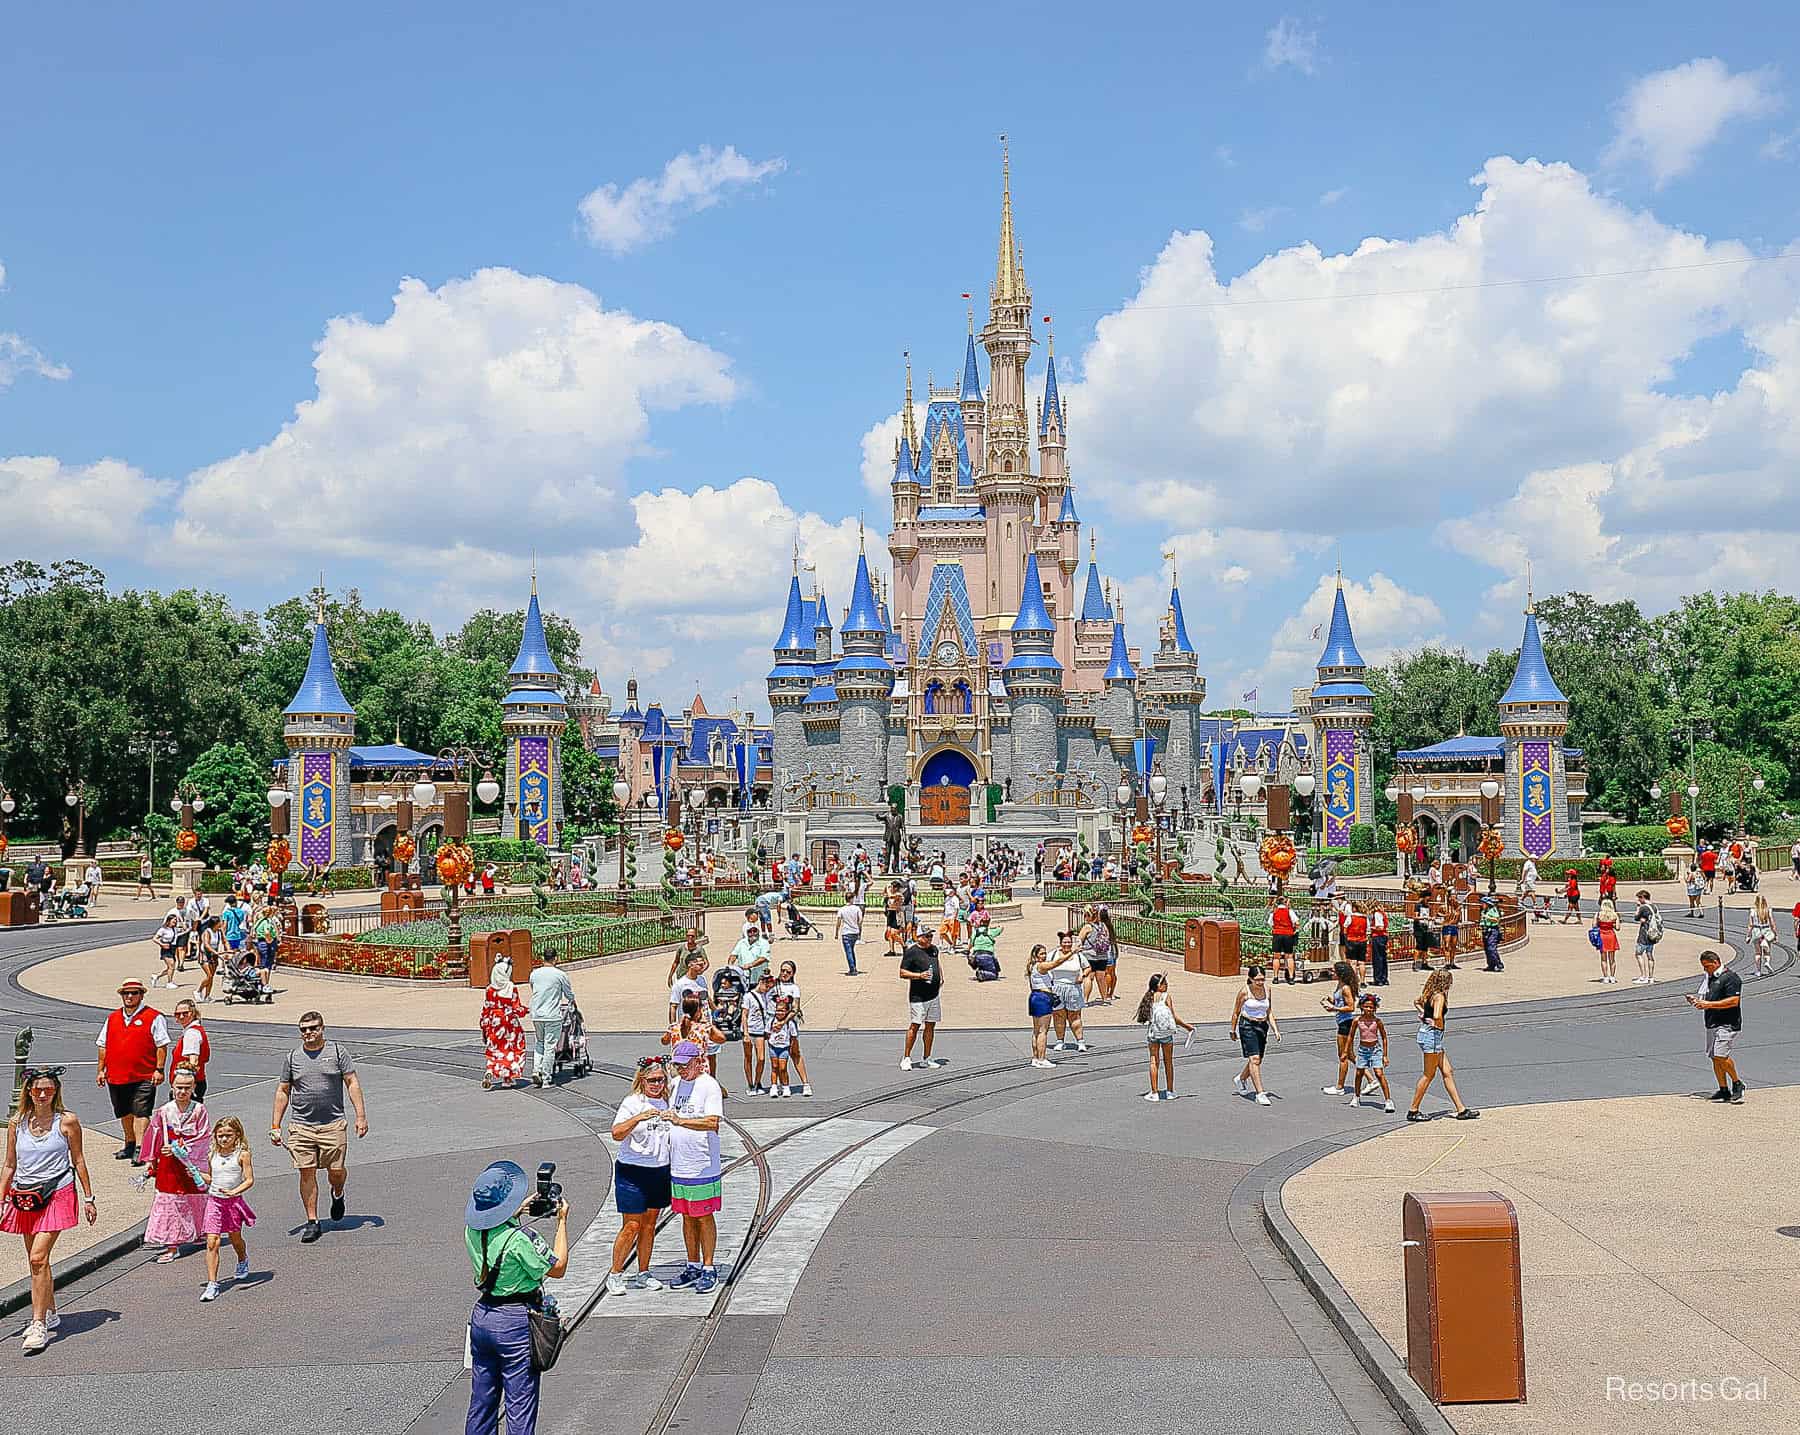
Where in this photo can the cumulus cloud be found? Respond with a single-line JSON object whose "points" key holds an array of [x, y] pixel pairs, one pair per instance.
{"points": [[59, 509], [1386, 618], [621, 220], [878, 455], [1332, 196], [1290, 43], [20, 357], [1666, 119], [1254, 221], [496, 413], [1421, 378]]}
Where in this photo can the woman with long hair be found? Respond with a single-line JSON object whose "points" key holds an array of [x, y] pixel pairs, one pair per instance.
{"points": [[1253, 1025], [1040, 1004], [1762, 935], [640, 1174], [1156, 1011], [1607, 921], [1342, 1004], [1099, 944], [1434, 1007], [44, 1161]]}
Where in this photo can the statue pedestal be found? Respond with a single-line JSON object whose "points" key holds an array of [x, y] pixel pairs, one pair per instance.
{"points": [[185, 876], [1676, 856]]}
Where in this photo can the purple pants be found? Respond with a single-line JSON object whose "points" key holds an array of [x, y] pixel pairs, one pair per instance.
{"points": [[500, 1341]]}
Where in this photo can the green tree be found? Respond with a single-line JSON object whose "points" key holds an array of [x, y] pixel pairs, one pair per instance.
{"points": [[236, 818], [494, 637], [588, 802], [1722, 775], [1730, 665]]}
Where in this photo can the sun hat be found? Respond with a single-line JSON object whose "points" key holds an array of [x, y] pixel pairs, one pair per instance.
{"points": [[686, 1051], [499, 1192], [131, 984]]}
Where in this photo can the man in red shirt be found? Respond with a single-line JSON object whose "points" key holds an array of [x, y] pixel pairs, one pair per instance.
{"points": [[1709, 866], [133, 1046]]}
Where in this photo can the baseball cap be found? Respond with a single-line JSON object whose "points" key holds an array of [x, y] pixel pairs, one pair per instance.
{"points": [[686, 1051]]}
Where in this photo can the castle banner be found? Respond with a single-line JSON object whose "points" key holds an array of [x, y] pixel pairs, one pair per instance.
{"points": [[1343, 797], [534, 788], [317, 809], [1537, 827]]}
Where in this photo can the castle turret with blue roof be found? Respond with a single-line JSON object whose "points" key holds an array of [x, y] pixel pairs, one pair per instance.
{"points": [[863, 681], [790, 681], [1034, 683], [533, 719], [1174, 693], [1534, 718], [1343, 713], [319, 726]]}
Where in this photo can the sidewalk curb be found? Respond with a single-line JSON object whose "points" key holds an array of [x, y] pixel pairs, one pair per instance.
{"points": [[1377, 1357], [17, 1296]]}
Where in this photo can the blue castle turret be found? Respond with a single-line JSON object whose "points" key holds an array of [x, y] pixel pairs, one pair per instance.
{"points": [[1343, 712], [533, 720], [863, 680], [319, 726], [1034, 679], [1534, 719]]}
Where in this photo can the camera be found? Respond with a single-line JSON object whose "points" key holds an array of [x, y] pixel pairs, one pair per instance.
{"points": [[548, 1195]]}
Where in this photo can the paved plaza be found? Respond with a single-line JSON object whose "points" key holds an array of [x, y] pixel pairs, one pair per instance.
{"points": [[978, 1247]]}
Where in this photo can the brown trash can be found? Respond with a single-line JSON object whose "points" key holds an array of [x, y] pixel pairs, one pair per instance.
{"points": [[1465, 1309], [1190, 951], [290, 918], [1219, 948], [312, 919], [486, 947], [20, 908]]}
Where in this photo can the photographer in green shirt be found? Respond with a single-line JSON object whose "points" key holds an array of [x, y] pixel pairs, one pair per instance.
{"points": [[510, 1262]]}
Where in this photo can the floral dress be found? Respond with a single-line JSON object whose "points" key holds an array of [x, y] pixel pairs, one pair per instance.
{"points": [[503, 1029]]}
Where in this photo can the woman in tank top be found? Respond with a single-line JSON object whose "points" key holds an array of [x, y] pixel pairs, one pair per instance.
{"points": [[44, 1162], [1253, 1025]]}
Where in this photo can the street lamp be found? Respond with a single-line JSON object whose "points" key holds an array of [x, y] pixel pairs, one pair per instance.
{"points": [[77, 798], [621, 796], [7, 808], [1490, 822], [1122, 797]]}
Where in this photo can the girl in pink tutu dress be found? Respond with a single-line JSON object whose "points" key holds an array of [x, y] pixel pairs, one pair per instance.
{"points": [[176, 1149], [227, 1212]]}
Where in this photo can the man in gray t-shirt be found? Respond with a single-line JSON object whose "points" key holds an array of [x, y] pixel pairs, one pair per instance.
{"points": [[315, 1078]]}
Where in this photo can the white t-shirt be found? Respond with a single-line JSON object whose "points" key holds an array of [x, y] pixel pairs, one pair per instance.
{"points": [[951, 906], [648, 1143], [684, 985], [694, 1155], [850, 916], [1528, 874], [190, 1043], [1068, 969]]}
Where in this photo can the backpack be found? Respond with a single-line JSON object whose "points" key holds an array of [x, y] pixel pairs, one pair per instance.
{"points": [[1653, 929], [1594, 937]]}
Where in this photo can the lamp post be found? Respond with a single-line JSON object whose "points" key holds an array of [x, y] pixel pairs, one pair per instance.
{"points": [[152, 743], [1693, 792], [76, 797], [622, 800], [186, 802], [1122, 799], [1757, 783], [7, 807], [1159, 804], [1402, 821], [1417, 793], [1490, 827]]}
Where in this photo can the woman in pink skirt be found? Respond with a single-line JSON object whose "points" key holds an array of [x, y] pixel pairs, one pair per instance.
{"points": [[37, 1188], [503, 1028], [177, 1150], [227, 1212]]}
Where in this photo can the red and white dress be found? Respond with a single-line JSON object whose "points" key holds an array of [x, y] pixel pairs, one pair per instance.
{"points": [[180, 1206], [503, 1030]]}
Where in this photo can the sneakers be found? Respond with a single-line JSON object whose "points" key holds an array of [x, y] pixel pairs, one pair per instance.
{"points": [[1153, 1096], [1333, 1090], [1240, 1086], [125, 1153], [311, 1233], [1722, 1094], [1737, 1088], [906, 1063], [806, 1088], [646, 1282], [1388, 1107], [709, 1279], [242, 1273], [781, 1091], [211, 1291], [1468, 1113], [1737, 1095], [337, 1205], [1082, 1046], [1415, 1116], [1355, 1100], [36, 1337], [1165, 1096], [934, 1062], [616, 1283], [689, 1274], [1262, 1098], [1043, 1063], [52, 1320]]}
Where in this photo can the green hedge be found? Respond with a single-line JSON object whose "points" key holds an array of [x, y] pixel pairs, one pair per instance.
{"points": [[509, 849], [1551, 869], [1644, 840]]}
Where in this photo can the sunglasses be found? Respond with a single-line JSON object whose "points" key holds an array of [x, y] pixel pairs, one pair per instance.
{"points": [[44, 1073], [313, 1026]]}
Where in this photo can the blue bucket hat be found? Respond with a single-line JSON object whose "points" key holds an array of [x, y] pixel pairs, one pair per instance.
{"points": [[499, 1192]]}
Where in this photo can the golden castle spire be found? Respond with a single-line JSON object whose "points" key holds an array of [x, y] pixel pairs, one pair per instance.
{"points": [[1009, 273], [907, 431]]}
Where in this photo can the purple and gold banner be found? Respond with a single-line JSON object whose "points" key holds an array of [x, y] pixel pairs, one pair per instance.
{"points": [[1343, 802], [534, 788], [1537, 827], [317, 801]]}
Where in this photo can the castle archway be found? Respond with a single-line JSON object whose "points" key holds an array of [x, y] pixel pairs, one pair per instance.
{"points": [[946, 784]]}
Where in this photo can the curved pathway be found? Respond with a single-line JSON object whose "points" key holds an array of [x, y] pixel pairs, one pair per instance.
{"points": [[1051, 1254]]}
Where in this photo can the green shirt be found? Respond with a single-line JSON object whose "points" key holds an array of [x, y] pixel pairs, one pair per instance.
{"points": [[518, 1254]]}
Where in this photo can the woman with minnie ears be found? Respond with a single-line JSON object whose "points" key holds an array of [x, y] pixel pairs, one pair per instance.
{"points": [[44, 1161]]}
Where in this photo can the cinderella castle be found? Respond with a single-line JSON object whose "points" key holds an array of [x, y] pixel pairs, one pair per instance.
{"points": [[992, 685]]}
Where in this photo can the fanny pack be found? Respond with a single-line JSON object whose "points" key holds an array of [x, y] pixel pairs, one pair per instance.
{"points": [[30, 1197]]}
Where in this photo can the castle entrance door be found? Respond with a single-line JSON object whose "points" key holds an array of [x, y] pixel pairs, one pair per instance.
{"points": [[945, 784]]}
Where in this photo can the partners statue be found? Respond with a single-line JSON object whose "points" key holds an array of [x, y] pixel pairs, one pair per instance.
{"points": [[893, 833]]}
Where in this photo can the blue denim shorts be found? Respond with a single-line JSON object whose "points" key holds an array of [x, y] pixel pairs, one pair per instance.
{"points": [[1368, 1058], [1430, 1039]]}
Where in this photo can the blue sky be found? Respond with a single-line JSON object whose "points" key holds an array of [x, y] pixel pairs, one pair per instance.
{"points": [[188, 201]]}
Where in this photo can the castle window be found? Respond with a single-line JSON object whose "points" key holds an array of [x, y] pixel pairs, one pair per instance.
{"points": [[965, 700], [933, 696], [1006, 467]]}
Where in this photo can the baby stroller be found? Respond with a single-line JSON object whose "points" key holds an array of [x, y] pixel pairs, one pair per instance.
{"points": [[799, 926], [1746, 877], [572, 1046], [241, 983]]}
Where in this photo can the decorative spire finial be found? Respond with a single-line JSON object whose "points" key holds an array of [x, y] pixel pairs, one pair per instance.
{"points": [[1092, 545], [534, 572], [1530, 602], [396, 732], [1340, 567], [1174, 577], [319, 599], [861, 547], [907, 430], [1008, 281]]}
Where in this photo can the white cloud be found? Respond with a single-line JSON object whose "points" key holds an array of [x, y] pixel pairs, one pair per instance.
{"points": [[1288, 42], [1413, 379], [1225, 157], [1385, 617], [1332, 196], [495, 413], [1254, 221], [1667, 118], [56, 510], [878, 456], [1779, 146], [621, 220], [19, 357]]}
